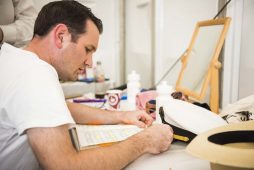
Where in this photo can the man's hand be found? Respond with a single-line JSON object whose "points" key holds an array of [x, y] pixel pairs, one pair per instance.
{"points": [[139, 118], [156, 139]]}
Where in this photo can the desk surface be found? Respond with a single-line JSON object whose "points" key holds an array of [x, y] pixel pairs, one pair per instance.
{"points": [[174, 159], [76, 88]]}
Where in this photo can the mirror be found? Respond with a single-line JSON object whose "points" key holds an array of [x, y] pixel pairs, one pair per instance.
{"points": [[200, 65]]}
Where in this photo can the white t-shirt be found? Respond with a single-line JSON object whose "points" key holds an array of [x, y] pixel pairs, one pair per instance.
{"points": [[30, 96]]}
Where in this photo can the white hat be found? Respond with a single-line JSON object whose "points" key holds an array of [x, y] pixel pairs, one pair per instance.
{"points": [[229, 147]]}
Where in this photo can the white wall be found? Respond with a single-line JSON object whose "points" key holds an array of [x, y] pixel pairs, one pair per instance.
{"points": [[172, 29], [230, 69], [177, 20], [238, 68], [40, 4], [139, 39], [108, 50], [246, 71]]}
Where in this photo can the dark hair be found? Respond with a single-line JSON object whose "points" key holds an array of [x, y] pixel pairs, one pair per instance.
{"points": [[71, 13]]}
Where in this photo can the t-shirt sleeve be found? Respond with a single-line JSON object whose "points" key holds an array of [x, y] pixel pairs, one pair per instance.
{"points": [[37, 100]]}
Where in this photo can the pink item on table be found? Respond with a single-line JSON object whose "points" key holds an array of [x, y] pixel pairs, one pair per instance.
{"points": [[143, 97]]}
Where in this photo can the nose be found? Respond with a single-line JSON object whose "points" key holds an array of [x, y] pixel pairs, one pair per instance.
{"points": [[89, 62]]}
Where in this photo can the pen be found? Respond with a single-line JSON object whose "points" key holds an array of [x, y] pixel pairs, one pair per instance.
{"points": [[88, 100], [181, 138]]}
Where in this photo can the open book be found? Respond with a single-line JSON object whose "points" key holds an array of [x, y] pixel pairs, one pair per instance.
{"points": [[86, 136]]}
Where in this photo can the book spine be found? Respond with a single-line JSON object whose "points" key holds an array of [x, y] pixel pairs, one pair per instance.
{"points": [[74, 138]]}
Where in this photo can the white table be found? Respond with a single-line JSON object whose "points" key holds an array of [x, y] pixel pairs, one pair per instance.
{"points": [[174, 159], [76, 88]]}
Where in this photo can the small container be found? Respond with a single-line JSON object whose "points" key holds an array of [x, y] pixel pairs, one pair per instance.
{"points": [[133, 88], [163, 98], [100, 88], [113, 99], [99, 72]]}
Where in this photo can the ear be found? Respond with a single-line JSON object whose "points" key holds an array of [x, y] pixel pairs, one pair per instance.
{"points": [[60, 31]]}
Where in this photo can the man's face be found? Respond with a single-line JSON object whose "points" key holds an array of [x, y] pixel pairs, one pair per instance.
{"points": [[76, 56]]}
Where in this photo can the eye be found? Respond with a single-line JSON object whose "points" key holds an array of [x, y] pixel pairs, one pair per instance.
{"points": [[88, 50]]}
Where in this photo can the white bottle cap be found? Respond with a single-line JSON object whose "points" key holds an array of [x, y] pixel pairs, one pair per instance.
{"points": [[133, 76], [164, 88]]}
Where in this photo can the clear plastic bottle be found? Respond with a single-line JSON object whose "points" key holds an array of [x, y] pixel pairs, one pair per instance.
{"points": [[133, 88], [100, 88], [163, 98], [99, 72]]}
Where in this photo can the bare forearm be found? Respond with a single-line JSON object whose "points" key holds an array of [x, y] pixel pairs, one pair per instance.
{"points": [[54, 150], [114, 157], [88, 115]]}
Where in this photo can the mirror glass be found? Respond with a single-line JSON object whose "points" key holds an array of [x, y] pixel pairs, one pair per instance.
{"points": [[200, 63], [200, 57]]}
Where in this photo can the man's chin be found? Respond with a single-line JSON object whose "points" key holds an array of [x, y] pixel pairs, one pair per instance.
{"points": [[70, 78], [73, 78]]}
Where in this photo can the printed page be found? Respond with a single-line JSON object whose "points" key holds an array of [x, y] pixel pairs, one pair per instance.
{"points": [[97, 134]]}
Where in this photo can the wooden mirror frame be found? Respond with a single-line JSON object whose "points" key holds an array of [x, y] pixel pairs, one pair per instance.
{"points": [[212, 75]]}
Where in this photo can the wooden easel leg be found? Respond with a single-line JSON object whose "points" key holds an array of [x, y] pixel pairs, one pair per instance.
{"points": [[214, 96]]}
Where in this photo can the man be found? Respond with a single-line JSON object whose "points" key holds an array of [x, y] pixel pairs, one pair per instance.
{"points": [[17, 21], [34, 118]]}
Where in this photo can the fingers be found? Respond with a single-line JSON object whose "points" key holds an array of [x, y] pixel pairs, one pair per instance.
{"points": [[160, 138], [147, 119], [143, 121], [139, 118], [140, 124]]}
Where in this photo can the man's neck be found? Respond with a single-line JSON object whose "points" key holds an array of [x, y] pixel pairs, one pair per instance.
{"points": [[41, 48]]}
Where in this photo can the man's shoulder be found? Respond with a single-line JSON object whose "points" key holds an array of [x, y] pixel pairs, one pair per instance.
{"points": [[20, 66], [24, 61]]}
